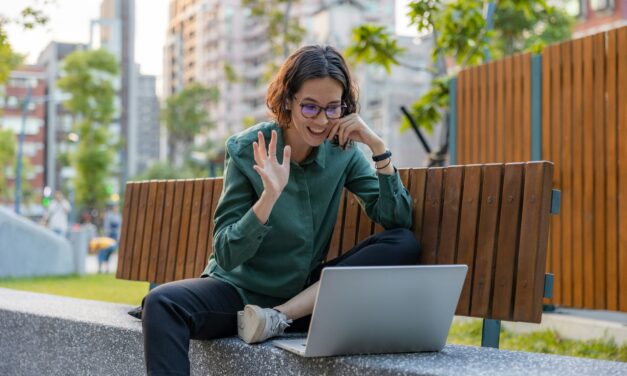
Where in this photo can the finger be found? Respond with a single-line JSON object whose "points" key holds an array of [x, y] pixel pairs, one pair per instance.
{"points": [[262, 145], [256, 153], [272, 146], [333, 132], [346, 134], [342, 133], [287, 155], [262, 173]]}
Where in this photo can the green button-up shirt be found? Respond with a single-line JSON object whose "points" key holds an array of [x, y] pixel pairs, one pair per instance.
{"points": [[270, 263]]}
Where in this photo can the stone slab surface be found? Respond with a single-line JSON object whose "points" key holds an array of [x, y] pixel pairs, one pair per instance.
{"points": [[44, 334]]}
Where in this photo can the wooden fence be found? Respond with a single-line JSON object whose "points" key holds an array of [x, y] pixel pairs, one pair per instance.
{"points": [[567, 105]]}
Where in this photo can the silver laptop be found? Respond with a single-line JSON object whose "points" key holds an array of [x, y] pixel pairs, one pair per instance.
{"points": [[381, 309]]}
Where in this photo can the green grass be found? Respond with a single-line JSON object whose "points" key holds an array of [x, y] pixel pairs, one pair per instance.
{"points": [[547, 341], [106, 287]]}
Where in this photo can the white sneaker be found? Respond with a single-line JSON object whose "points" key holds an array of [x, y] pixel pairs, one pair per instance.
{"points": [[256, 324]]}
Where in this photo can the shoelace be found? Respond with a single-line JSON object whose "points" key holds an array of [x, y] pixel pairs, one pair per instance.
{"points": [[279, 324]]}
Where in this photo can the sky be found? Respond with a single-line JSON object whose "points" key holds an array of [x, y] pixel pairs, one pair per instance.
{"points": [[70, 20]]}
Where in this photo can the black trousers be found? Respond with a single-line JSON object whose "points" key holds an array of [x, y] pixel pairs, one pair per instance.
{"points": [[206, 308]]}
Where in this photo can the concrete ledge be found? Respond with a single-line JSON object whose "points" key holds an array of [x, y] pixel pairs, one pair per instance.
{"points": [[44, 334], [28, 249]]}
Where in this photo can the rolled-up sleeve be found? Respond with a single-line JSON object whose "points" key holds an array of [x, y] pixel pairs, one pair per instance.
{"points": [[384, 197], [237, 232]]}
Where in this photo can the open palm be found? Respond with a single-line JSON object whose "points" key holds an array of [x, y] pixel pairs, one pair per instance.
{"points": [[274, 175]]}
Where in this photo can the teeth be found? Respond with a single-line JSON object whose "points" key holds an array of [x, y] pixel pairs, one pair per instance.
{"points": [[316, 132]]}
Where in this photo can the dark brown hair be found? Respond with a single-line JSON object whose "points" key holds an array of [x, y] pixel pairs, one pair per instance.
{"points": [[306, 63]]}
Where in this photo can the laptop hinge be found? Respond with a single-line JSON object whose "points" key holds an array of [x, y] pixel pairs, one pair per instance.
{"points": [[490, 333]]}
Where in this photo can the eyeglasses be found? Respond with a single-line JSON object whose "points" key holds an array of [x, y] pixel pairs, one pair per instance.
{"points": [[333, 111]]}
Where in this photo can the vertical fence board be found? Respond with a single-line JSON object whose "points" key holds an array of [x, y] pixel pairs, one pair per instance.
{"points": [[515, 142], [566, 166], [599, 226], [526, 112], [588, 177], [622, 167], [611, 148], [483, 144], [500, 103], [574, 266], [491, 113], [556, 136]]}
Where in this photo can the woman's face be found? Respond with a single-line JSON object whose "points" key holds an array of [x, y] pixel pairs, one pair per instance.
{"points": [[322, 92]]}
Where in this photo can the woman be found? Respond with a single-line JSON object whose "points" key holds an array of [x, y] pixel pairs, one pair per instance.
{"points": [[282, 186]]}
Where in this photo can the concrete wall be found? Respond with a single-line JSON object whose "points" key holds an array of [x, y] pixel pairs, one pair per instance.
{"points": [[28, 249]]}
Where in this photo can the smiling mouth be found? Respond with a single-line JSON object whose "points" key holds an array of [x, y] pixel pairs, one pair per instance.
{"points": [[318, 132]]}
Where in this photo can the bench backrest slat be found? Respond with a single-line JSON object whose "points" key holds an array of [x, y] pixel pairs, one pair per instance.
{"points": [[493, 218], [469, 222], [511, 205]]}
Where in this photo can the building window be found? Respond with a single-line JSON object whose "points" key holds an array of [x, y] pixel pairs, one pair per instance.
{"points": [[601, 5], [574, 7]]}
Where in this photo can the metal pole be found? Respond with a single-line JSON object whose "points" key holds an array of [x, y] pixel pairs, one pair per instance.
{"points": [[20, 151]]}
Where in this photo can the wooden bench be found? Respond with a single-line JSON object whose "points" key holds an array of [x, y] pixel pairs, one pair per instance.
{"points": [[493, 218]]}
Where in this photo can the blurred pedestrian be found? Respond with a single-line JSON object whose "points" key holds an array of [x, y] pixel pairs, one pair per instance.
{"points": [[112, 222], [56, 217]]}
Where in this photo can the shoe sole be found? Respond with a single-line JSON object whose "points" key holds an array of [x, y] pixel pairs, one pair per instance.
{"points": [[248, 332]]}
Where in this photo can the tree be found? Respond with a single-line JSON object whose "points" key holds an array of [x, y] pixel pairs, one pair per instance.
{"points": [[461, 33], [89, 77], [185, 116], [30, 17], [7, 160]]}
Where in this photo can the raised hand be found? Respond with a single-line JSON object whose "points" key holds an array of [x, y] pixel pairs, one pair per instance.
{"points": [[274, 175]]}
